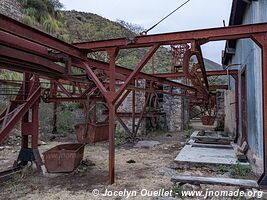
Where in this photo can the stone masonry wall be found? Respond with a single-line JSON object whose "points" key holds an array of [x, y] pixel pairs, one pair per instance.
{"points": [[10, 8], [174, 112], [126, 106], [175, 118]]}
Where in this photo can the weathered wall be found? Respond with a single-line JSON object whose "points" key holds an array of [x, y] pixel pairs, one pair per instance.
{"points": [[10, 8], [126, 106], [230, 118], [172, 106], [248, 55], [174, 119]]}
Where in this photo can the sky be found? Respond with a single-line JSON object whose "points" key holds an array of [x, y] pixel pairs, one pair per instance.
{"points": [[197, 14]]}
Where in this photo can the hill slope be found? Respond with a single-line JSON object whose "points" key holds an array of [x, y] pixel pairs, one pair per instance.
{"points": [[73, 26], [81, 26]]}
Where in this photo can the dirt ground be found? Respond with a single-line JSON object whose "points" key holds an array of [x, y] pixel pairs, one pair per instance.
{"points": [[93, 174]]}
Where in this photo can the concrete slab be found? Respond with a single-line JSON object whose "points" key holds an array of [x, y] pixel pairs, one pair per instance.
{"points": [[204, 155], [212, 146], [216, 135], [215, 181]]}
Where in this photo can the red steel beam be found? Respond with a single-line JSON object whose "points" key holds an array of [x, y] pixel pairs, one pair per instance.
{"points": [[91, 74], [14, 41], [12, 53], [139, 67], [17, 28], [30, 45], [209, 73], [33, 98], [140, 75], [213, 34]]}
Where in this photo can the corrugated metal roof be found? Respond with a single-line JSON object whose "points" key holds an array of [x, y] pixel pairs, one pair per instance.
{"points": [[236, 18]]}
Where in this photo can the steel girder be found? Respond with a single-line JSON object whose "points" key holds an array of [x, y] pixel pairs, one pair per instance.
{"points": [[41, 45], [206, 35]]}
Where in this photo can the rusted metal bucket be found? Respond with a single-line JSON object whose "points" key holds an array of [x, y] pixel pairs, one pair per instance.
{"points": [[94, 133], [208, 120], [64, 157]]}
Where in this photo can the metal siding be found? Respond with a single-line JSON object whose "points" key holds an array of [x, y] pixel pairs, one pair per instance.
{"points": [[249, 54]]}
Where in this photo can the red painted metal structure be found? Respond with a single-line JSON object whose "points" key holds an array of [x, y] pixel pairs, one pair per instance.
{"points": [[39, 55]]}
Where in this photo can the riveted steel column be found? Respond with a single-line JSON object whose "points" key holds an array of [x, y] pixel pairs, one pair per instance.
{"points": [[112, 81]]}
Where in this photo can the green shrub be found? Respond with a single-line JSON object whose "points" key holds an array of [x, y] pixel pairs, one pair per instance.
{"points": [[177, 190], [45, 116], [44, 11], [220, 125], [189, 131], [119, 138], [240, 170], [222, 169], [49, 24], [28, 20], [66, 118]]}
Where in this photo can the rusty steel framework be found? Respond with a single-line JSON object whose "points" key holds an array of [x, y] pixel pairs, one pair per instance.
{"points": [[40, 56]]}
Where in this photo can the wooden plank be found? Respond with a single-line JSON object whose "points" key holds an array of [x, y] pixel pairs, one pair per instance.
{"points": [[215, 181]]}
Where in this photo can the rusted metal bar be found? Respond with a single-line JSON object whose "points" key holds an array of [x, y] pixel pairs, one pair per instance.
{"points": [[133, 112], [123, 125], [139, 67], [96, 80], [122, 99], [127, 72], [202, 66], [17, 28], [178, 75], [213, 34], [63, 89], [35, 124], [142, 113], [25, 119], [47, 65], [112, 110], [21, 112], [112, 66], [54, 119], [236, 105], [66, 99], [12, 40], [111, 143], [6, 116], [137, 114], [9, 173], [151, 90]]}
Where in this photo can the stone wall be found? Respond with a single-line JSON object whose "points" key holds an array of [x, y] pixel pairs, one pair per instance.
{"points": [[174, 111], [126, 106], [173, 108], [11, 8]]}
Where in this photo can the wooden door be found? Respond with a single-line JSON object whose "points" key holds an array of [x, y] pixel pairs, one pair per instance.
{"points": [[244, 115]]}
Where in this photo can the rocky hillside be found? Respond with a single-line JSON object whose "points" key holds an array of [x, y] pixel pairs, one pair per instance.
{"points": [[80, 26], [73, 26]]}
